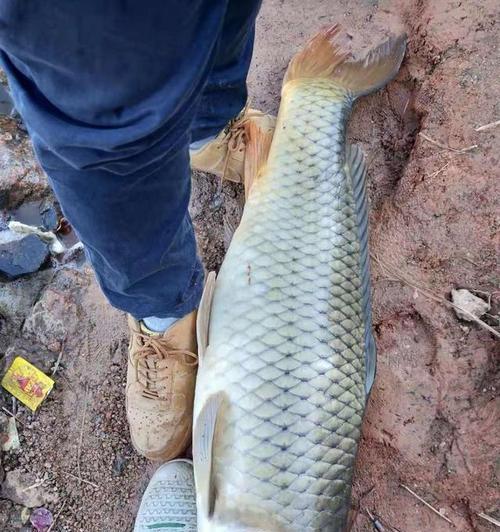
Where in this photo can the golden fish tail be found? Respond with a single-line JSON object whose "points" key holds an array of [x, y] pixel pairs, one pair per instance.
{"points": [[322, 57]]}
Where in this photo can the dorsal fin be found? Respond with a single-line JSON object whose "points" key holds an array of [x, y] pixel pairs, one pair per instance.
{"points": [[203, 438], [203, 317], [355, 166]]}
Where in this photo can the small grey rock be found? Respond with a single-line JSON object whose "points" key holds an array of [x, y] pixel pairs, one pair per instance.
{"points": [[2, 471], [75, 253], [468, 301], [6, 103], [37, 355], [49, 218], [14, 488], [15, 519], [20, 257], [119, 464], [5, 510]]}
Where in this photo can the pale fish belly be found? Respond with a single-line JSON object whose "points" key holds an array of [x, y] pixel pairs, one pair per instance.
{"points": [[287, 332]]}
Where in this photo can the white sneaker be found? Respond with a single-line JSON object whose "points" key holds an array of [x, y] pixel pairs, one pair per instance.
{"points": [[169, 502]]}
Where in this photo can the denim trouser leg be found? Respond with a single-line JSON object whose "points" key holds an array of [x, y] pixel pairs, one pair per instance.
{"points": [[112, 93], [225, 93]]}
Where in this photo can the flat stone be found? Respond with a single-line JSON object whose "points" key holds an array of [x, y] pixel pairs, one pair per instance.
{"points": [[14, 488], [16, 301], [21, 176], [56, 317], [20, 257], [468, 301], [9, 436], [17, 297]]}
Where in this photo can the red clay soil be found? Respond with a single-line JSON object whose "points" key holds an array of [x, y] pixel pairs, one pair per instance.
{"points": [[432, 422], [433, 417]]}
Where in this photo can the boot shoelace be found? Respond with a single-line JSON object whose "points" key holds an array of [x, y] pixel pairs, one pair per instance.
{"points": [[236, 134], [152, 361]]}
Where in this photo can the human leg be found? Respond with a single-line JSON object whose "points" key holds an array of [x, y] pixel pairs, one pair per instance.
{"points": [[225, 93], [108, 92], [218, 136]]}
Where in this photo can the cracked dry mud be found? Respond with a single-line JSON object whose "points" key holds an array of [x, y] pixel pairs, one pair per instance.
{"points": [[433, 416]]}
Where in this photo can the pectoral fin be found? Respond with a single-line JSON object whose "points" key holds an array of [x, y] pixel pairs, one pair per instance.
{"points": [[355, 167], [203, 439], [258, 145], [203, 317]]}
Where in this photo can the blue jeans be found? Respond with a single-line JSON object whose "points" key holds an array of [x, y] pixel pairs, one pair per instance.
{"points": [[112, 93]]}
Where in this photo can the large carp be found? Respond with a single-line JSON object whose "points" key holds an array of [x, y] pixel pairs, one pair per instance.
{"points": [[287, 357]]}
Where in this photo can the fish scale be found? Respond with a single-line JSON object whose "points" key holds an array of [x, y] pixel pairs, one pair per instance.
{"points": [[289, 334]]}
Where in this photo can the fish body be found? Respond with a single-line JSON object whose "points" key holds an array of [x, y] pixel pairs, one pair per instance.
{"points": [[283, 379]]}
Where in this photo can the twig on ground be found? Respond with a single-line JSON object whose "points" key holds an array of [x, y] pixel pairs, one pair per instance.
{"points": [[377, 525], [467, 259], [437, 512], [469, 514], [445, 147], [82, 427], [57, 515], [33, 486], [7, 411], [488, 518], [487, 294], [491, 125], [393, 271], [437, 172], [58, 361], [80, 479], [406, 106], [366, 493], [493, 317]]}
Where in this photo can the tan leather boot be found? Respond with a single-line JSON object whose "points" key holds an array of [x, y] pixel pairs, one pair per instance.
{"points": [[224, 156], [161, 378]]}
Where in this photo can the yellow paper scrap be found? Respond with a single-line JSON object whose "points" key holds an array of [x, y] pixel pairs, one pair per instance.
{"points": [[27, 383]]}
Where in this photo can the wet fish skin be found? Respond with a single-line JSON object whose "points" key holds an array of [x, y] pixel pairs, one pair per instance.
{"points": [[289, 334]]}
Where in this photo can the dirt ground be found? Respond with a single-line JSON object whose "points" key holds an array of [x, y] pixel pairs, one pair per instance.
{"points": [[433, 418]]}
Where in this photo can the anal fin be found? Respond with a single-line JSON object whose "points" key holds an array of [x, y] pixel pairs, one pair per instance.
{"points": [[203, 439], [355, 166], [203, 317]]}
